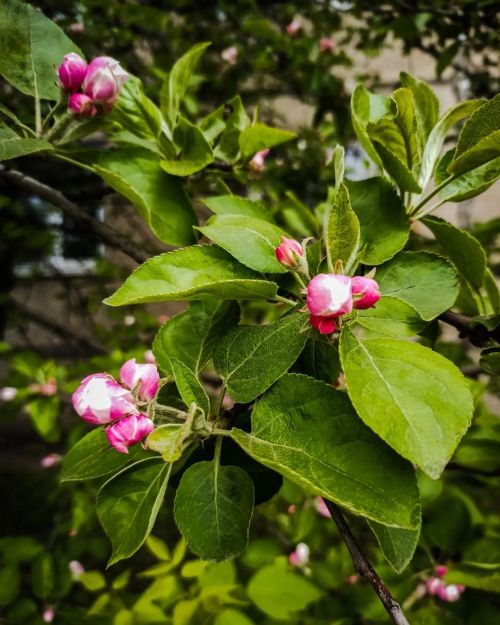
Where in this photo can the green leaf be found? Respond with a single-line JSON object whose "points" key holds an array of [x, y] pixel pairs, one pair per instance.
{"points": [[309, 432], [160, 198], [31, 48], [259, 137], [281, 593], [43, 575], [436, 138], [14, 146], [127, 506], [251, 358], [468, 185], [197, 272], [251, 241], [92, 581], [342, 232], [320, 359], [213, 125], [168, 440], [235, 205], [338, 166], [397, 169], [392, 317], [93, 457], [426, 105], [228, 616], [490, 361], [176, 83], [384, 225], [44, 415], [10, 583], [135, 112], [368, 108], [195, 152], [484, 576], [479, 140], [464, 251], [413, 398], [426, 281], [213, 508], [192, 335], [190, 389], [228, 148], [398, 545]]}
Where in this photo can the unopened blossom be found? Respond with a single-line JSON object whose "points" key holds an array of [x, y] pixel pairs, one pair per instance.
{"points": [[292, 509], [450, 592], [434, 585], [257, 163], [289, 252], [294, 26], [129, 320], [48, 614], [365, 291], [8, 393], [149, 356], [299, 557], [76, 569], [325, 44], [329, 295], [76, 28], [103, 81], [81, 105], [48, 388], [321, 507], [72, 71], [129, 431], [441, 570], [325, 325], [230, 55], [50, 460], [100, 399], [145, 377]]}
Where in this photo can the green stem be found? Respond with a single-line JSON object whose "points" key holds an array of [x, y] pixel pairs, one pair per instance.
{"points": [[220, 400], [285, 300], [72, 161], [433, 193], [38, 117], [428, 211], [218, 432], [299, 279], [218, 449]]}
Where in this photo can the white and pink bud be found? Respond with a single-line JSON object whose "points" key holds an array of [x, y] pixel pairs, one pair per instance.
{"points": [[450, 593], [80, 104], [8, 393], [325, 44], [103, 81], [365, 291], [72, 71], [289, 252], [100, 399], [143, 377], [258, 160], [329, 295], [434, 585], [76, 569], [325, 325], [230, 55], [294, 26], [48, 614], [299, 557], [322, 508], [129, 431]]}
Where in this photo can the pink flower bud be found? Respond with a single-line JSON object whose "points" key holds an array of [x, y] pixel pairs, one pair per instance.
{"points": [[76, 569], [329, 295], [80, 104], [450, 593], [325, 325], [292, 509], [441, 570], [100, 399], [366, 292], [8, 393], [76, 27], [149, 356], [289, 252], [72, 71], [146, 377], [257, 162], [325, 44], [322, 508], [48, 614], [434, 585], [299, 557], [230, 55], [103, 81], [294, 26], [49, 461], [129, 431]]}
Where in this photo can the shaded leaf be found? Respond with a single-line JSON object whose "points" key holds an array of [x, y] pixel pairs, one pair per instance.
{"points": [[195, 152], [342, 232], [398, 545], [190, 388]]}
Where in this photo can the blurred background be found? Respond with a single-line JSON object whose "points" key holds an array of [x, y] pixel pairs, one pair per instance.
{"points": [[297, 62]]}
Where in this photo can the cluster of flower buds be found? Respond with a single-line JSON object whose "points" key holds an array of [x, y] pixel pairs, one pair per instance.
{"points": [[94, 87], [329, 295], [101, 400], [446, 592]]}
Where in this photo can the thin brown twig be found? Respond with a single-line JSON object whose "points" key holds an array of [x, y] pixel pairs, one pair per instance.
{"points": [[109, 235], [363, 567], [477, 334]]}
